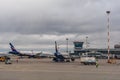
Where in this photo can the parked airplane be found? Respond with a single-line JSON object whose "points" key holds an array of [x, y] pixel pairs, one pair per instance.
{"points": [[59, 57], [15, 52]]}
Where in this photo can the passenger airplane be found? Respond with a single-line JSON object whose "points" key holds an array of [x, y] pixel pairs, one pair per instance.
{"points": [[59, 57], [15, 52]]}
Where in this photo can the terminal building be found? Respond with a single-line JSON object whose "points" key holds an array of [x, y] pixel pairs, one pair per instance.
{"points": [[78, 49]]}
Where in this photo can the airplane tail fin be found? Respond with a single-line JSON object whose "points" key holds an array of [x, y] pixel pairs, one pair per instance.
{"points": [[56, 49], [12, 47], [58, 55]]}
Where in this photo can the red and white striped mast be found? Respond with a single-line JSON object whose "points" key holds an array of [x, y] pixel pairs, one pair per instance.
{"points": [[108, 28]]}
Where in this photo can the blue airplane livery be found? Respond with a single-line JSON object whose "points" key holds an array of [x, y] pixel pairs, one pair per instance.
{"points": [[15, 52], [59, 57]]}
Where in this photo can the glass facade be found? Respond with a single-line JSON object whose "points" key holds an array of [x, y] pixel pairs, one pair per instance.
{"points": [[78, 45]]}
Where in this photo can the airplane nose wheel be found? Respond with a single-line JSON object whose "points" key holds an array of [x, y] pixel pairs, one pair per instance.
{"points": [[67, 60], [55, 60], [72, 59]]}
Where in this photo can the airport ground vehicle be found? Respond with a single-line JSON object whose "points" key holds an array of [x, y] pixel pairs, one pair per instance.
{"points": [[2, 58], [87, 60], [5, 59]]}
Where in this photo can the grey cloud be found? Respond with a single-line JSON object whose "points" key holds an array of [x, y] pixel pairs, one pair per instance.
{"points": [[25, 18], [59, 19]]}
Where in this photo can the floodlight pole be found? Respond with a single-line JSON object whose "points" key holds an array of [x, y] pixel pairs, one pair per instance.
{"points": [[86, 42], [67, 45], [108, 29]]}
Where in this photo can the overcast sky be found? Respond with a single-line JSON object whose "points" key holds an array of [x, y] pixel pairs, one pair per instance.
{"points": [[36, 24]]}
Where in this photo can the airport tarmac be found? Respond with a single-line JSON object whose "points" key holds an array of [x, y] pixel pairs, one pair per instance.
{"points": [[45, 69]]}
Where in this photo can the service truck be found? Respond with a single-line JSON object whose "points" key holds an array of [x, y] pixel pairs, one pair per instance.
{"points": [[87, 59], [2, 58]]}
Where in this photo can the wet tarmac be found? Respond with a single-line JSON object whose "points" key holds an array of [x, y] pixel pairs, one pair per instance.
{"points": [[45, 69]]}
